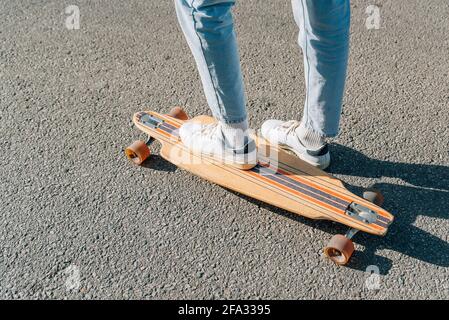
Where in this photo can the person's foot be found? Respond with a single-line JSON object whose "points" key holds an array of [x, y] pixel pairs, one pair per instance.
{"points": [[291, 135], [222, 142]]}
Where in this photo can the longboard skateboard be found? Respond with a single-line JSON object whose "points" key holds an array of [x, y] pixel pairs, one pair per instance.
{"points": [[279, 179]]}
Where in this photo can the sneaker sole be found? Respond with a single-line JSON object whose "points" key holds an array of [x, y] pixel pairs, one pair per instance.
{"points": [[321, 166]]}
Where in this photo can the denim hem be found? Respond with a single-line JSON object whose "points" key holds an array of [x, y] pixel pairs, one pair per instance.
{"points": [[330, 135], [229, 120], [321, 132]]}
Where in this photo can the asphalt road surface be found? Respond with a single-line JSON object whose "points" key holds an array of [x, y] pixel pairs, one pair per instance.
{"points": [[77, 220]]}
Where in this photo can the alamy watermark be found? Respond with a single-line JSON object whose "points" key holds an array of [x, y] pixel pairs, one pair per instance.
{"points": [[73, 280], [373, 280], [373, 19], [72, 20]]}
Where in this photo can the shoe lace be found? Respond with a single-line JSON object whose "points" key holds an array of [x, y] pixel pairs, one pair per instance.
{"points": [[290, 126], [211, 130]]}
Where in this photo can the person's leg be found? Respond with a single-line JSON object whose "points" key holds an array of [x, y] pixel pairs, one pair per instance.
{"points": [[209, 30], [208, 27], [324, 39]]}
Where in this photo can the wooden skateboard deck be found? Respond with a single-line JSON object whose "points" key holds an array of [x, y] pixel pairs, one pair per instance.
{"points": [[279, 178]]}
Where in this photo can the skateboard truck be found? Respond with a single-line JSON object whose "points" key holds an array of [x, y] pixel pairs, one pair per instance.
{"points": [[351, 233], [149, 141], [151, 122], [139, 150], [340, 247], [360, 213]]}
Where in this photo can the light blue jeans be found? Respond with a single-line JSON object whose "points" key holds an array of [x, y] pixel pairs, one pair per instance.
{"points": [[324, 39]]}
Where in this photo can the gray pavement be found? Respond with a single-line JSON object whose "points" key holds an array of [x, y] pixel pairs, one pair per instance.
{"points": [[77, 220]]}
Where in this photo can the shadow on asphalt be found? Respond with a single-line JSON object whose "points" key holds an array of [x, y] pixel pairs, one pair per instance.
{"points": [[360, 260], [158, 163], [428, 196]]}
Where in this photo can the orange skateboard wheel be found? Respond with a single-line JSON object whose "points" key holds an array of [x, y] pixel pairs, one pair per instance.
{"points": [[339, 249], [178, 113], [137, 152], [374, 196]]}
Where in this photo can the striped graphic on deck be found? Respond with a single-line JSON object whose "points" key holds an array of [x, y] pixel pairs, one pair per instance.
{"points": [[300, 187], [297, 186], [170, 128]]}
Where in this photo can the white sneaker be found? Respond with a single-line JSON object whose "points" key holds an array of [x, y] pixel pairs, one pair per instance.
{"points": [[208, 140], [285, 135]]}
